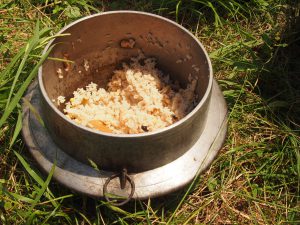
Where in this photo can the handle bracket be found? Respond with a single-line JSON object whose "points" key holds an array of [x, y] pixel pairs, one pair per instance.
{"points": [[124, 177]]}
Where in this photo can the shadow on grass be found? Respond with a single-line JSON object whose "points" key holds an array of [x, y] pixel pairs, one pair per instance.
{"points": [[133, 211], [280, 86]]}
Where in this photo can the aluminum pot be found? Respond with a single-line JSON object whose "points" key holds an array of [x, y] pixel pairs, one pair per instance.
{"points": [[94, 44]]}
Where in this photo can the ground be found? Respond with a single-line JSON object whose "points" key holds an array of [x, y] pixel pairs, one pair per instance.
{"points": [[255, 51]]}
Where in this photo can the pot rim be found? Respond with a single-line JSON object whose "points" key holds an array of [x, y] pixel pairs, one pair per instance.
{"points": [[140, 135]]}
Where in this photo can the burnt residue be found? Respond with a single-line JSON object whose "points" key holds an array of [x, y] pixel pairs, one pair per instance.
{"points": [[174, 117], [144, 128]]}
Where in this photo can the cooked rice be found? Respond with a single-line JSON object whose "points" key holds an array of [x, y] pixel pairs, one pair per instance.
{"points": [[137, 99], [59, 73], [60, 100]]}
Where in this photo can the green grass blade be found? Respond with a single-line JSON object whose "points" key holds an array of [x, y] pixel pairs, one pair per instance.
{"points": [[10, 66], [51, 214], [218, 21], [85, 218], [177, 10], [34, 112], [38, 179], [5, 82], [22, 89], [41, 192], [145, 212], [194, 214], [229, 49], [29, 47], [17, 129], [31, 172], [14, 196]]}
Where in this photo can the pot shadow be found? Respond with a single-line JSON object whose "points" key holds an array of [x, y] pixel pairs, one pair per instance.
{"points": [[163, 206], [280, 86]]}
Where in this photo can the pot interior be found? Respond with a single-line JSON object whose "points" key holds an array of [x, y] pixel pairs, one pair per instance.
{"points": [[94, 46]]}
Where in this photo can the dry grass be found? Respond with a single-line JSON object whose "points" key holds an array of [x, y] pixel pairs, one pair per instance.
{"points": [[256, 177]]}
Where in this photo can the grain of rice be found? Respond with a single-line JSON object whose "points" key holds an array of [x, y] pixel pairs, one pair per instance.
{"points": [[60, 100], [86, 65]]}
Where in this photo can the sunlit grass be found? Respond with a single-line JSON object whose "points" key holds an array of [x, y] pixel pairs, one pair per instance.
{"points": [[256, 177]]}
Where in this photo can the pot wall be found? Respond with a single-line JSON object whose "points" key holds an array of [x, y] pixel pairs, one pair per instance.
{"points": [[96, 39]]}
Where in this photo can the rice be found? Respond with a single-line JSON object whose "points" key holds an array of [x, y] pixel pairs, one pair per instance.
{"points": [[139, 98], [60, 100]]}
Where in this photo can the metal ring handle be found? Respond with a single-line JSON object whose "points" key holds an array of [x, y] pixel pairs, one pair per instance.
{"points": [[127, 199]]}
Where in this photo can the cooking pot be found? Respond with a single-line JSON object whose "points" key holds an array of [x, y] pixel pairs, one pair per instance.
{"points": [[91, 49]]}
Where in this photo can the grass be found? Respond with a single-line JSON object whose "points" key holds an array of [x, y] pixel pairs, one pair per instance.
{"points": [[255, 50]]}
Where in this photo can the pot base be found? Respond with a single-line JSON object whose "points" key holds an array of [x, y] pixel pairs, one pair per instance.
{"points": [[152, 183]]}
